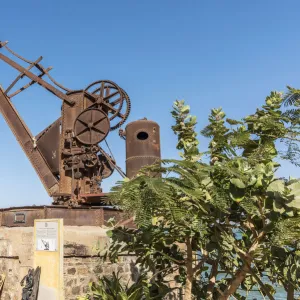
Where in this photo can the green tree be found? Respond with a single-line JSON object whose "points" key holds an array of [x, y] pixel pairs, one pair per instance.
{"points": [[217, 222]]}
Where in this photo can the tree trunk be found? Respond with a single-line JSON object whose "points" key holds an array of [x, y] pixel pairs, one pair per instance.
{"points": [[242, 273], [189, 271], [212, 280], [290, 292], [235, 283]]}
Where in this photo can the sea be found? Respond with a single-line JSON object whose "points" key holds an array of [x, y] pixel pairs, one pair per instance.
{"points": [[280, 295]]}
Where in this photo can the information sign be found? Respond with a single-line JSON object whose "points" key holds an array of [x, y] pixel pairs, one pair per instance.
{"points": [[46, 236]]}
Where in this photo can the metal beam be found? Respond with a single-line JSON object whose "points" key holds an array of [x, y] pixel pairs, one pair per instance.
{"points": [[27, 143], [23, 88], [21, 75], [37, 79]]}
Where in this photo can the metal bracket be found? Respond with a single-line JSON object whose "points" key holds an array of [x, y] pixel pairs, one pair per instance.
{"points": [[2, 44]]}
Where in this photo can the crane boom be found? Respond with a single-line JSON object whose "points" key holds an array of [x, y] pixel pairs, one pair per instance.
{"points": [[27, 142]]}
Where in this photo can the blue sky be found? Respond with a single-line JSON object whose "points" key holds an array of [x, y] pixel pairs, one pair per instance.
{"points": [[210, 53]]}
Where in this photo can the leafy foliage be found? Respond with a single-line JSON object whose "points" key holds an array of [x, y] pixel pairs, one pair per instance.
{"points": [[184, 129], [111, 288], [217, 228]]}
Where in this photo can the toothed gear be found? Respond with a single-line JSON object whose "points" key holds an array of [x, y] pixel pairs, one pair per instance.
{"points": [[128, 109], [100, 91], [105, 100]]}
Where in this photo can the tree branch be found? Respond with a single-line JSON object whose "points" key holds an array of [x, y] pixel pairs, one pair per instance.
{"points": [[212, 279], [241, 274], [202, 262], [189, 270], [263, 287]]}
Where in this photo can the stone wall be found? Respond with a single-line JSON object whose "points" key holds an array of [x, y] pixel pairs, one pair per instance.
{"points": [[81, 263], [80, 271], [10, 267]]}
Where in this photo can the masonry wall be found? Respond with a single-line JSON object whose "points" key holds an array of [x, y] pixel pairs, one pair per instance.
{"points": [[80, 271], [81, 263]]}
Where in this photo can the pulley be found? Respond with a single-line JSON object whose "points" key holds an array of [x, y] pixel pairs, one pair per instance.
{"points": [[107, 166], [91, 126]]}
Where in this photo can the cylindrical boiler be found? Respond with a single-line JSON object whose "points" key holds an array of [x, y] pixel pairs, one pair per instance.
{"points": [[142, 145]]}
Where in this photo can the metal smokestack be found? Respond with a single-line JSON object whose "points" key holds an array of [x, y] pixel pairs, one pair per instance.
{"points": [[142, 145]]}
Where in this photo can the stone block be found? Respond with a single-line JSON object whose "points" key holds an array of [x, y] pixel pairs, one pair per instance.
{"points": [[4, 247], [71, 271], [76, 290]]}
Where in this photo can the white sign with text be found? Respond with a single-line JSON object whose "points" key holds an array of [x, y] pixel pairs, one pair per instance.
{"points": [[46, 236]]}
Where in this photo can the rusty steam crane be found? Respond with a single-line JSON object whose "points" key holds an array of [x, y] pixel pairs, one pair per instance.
{"points": [[68, 155]]}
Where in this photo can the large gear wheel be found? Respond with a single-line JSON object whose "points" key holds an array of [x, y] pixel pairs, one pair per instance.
{"points": [[91, 126], [126, 111], [112, 99]]}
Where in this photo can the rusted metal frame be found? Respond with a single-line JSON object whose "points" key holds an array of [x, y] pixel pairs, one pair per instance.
{"points": [[84, 207], [21, 75], [4, 45], [43, 70], [40, 81], [109, 106], [28, 85], [25, 139], [101, 219], [37, 137], [74, 216], [47, 212], [98, 218]]}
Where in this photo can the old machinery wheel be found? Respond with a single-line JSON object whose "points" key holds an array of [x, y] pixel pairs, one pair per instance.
{"points": [[125, 111], [107, 166], [91, 126], [112, 99], [110, 102], [90, 160]]}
